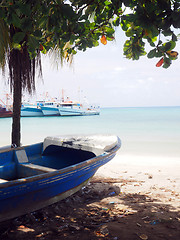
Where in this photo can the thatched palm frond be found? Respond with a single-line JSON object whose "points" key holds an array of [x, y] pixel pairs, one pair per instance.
{"points": [[22, 68], [60, 55], [4, 44]]}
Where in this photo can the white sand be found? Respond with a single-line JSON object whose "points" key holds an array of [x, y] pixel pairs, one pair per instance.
{"points": [[157, 176]]}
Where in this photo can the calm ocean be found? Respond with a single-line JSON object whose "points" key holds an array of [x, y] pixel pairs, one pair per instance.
{"points": [[143, 131]]}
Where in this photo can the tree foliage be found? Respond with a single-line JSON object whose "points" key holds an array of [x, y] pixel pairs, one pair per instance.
{"points": [[43, 25], [31, 27]]}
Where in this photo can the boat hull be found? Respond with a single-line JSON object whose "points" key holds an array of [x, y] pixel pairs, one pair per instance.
{"points": [[63, 111], [27, 194], [6, 114], [77, 112], [91, 112], [50, 111], [35, 195], [31, 112]]}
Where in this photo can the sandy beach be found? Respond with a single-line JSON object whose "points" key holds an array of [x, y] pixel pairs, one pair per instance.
{"points": [[131, 197], [153, 172]]}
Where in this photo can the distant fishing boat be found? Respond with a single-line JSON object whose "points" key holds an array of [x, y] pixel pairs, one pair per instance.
{"points": [[70, 108], [5, 108], [49, 108], [5, 113], [35, 176], [76, 108], [31, 110], [40, 108], [53, 107]]}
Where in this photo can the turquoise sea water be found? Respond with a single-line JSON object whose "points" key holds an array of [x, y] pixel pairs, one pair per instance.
{"points": [[143, 131]]}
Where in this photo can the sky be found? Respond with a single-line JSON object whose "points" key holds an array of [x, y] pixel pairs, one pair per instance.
{"points": [[105, 77]]}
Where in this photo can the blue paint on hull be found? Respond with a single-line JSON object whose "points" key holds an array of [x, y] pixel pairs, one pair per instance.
{"points": [[71, 169]]}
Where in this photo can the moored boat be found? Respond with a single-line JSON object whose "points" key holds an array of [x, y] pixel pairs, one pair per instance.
{"points": [[50, 108], [76, 109], [32, 177], [6, 107], [4, 112], [70, 108], [31, 110]]}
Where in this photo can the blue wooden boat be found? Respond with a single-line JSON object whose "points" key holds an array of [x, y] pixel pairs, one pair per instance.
{"points": [[35, 176]]}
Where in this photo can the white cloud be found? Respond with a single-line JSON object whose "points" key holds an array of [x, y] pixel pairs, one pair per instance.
{"points": [[119, 69]]}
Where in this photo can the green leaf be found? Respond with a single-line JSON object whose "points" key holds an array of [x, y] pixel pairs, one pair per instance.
{"points": [[16, 46], [151, 42], [116, 22], [155, 32], [152, 53], [44, 51], [169, 45], [109, 31], [26, 25], [16, 21], [18, 37], [167, 62], [159, 54], [167, 32], [124, 25], [38, 34], [26, 9], [129, 32], [130, 17], [33, 43], [174, 38], [107, 3]]}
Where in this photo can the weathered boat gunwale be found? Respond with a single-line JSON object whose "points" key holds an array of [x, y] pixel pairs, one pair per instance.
{"points": [[71, 168]]}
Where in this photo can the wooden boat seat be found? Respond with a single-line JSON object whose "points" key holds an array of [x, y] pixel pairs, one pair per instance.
{"points": [[29, 170], [38, 168]]}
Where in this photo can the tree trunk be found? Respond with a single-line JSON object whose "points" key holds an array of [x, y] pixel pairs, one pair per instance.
{"points": [[16, 123]]}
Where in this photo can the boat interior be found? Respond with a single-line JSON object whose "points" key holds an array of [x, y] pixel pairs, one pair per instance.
{"points": [[32, 160]]}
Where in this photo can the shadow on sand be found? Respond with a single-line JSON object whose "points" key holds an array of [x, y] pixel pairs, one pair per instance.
{"points": [[99, 211]]}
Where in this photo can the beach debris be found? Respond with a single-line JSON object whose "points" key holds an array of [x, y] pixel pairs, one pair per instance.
{"points": [[143, 237], [154, 222], [138, 224], [112, 193], [130, 212], [40, 235], [102, 231], [105, 209], [73, 227], [150, 176], [25, 229]]}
